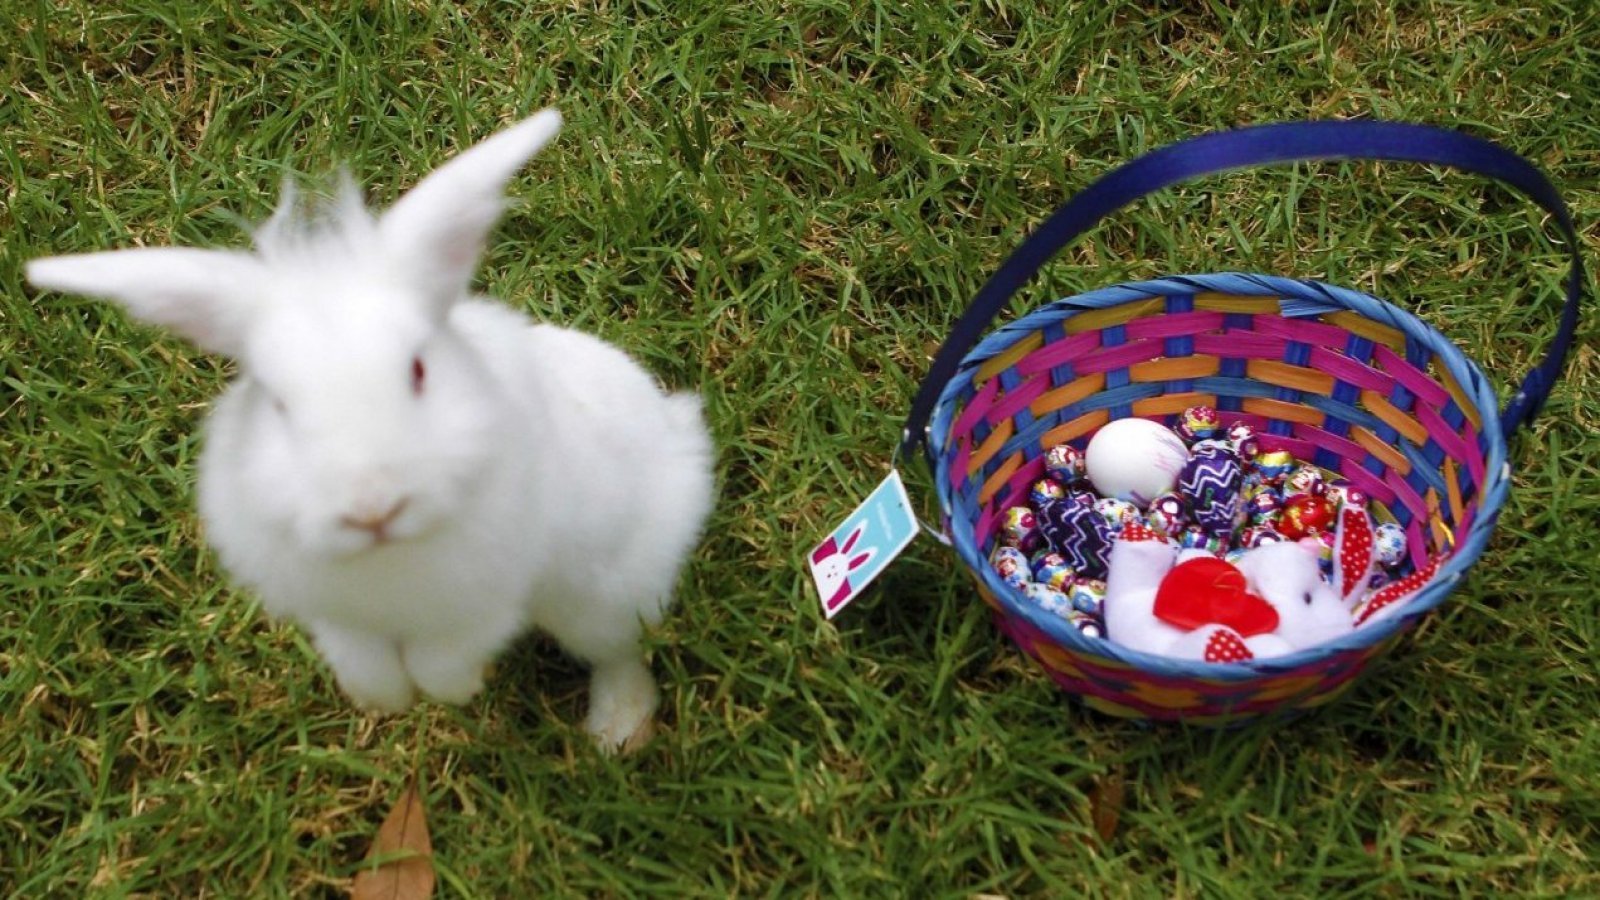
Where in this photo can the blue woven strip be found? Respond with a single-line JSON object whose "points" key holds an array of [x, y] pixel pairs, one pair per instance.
{"points": [[1245, 147]]}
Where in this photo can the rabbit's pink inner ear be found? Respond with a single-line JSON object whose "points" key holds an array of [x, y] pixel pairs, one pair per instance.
{"points": [[850, 540], [859, 561]]}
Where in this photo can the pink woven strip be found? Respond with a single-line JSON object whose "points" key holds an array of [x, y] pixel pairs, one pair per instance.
{"points": [[1234, 344], [1344, 447], [1413, 379], [1372, 484], [1021, 480], [1055, 353], [1407, 495], [1174, 325], [1109, 359], [1297, 448], [1350, 371], [962, 462], [977, 408], [1447, 437], [1417, 541], [1017, 398], [1474, 459], [1306, 331], [987, 518]]}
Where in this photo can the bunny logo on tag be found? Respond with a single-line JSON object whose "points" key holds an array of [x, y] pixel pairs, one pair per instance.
{"points": [[859, 550]]}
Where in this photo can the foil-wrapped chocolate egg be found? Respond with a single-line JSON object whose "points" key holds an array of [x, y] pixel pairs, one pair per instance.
{"points": [[1198, 423], [1088, 596], [1194, 537], [1117, 513], [1305, 479], [1064, 462], [1044, 490], [1274, 466], [1078, 533], [1389, 544], [1053, 569], [1088, 625], [1260, 536], [1304, 515], [1019, 528], [1011, 565], [1049, 599], [1343, 493], [1210, 484], [1168, 514], [1245, 443], [1262, 504]]}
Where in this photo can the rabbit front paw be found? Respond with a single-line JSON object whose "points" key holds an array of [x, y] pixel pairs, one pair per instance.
{"points": [[622, 702], [447, 674], [367, 668]]}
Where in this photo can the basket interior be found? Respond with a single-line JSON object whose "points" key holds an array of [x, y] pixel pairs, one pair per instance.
{"points": [[1339, 379]]}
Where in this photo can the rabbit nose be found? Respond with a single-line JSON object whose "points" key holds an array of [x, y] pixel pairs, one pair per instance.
{"points": [[374, 518]]}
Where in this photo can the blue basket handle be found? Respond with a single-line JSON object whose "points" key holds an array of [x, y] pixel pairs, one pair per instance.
{"points": [[1258, 145]]}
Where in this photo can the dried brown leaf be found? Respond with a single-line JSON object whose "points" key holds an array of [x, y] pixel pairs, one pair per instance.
{"points": [[1105, 806], [401, 859]]}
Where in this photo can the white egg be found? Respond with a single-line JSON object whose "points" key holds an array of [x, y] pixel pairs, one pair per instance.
{"points": [[1135, 459]]}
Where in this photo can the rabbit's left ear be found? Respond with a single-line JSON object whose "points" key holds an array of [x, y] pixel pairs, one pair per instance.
{"points": [[203, 295], [437, 231]]}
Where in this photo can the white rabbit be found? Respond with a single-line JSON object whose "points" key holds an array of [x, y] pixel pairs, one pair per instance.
{"points": [[417, 475]]}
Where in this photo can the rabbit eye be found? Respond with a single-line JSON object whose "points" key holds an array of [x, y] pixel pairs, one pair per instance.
{"points": [[1308, 598], [419, 374]]}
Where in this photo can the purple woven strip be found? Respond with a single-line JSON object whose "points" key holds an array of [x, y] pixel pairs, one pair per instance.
{"points": [[1056, 353], [1350, 371], [1110, 359], [1175, 325], [1239, 344], [1440, 431], [1344, 447], [1017, 399], [976, 408], [1297, 448], [1413, 379], [1370, 483], [1303, 330]]}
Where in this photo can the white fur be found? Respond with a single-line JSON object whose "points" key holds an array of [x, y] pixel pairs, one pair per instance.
{"points": [[540, 478], [1283, 574]]}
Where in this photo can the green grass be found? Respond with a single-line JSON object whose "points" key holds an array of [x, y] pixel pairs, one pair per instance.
{"points": [[784, 206]]}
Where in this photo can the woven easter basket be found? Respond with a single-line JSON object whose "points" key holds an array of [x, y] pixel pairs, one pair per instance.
{"points": [[1339, 378]]}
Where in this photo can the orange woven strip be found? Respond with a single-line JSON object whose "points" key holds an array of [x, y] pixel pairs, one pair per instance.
{"points": [[1458, 509], [1359, 324], [1068, 394], [1391, 416], [1278, 409], [1175, 368], [1391, 457], [990, 446], [1076, 428], [1468, 408], [1096, 319], [1297, 378], [1007, 358], [998, 480], [1228, 303], [1172, 404]]}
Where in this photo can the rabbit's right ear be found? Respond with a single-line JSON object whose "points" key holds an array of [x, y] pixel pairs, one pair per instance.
{"points": [[437, 231], [203, 295]]}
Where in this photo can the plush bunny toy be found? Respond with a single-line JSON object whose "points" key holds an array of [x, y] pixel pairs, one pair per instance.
{"points": [[415, 474]]}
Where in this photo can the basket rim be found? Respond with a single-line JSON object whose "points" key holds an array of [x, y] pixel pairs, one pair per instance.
{"points": [[1301, 298]]}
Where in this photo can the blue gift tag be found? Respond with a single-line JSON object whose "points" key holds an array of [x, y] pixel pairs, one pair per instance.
{"points": [[860, 549]]}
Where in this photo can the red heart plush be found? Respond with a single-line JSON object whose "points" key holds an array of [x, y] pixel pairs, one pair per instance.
{"points": [[1207, 591]]}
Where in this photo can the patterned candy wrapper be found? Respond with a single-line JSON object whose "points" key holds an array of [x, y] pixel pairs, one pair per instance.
{"points": [[1064, 462], [1019, 528], [1304, 480], [1011, 565], [1389, 544], [1197, 423], [1049, 599], [1078, 533], [1045, 490], [1210, 483], [1196, 537], [1117, 513], [1089, 625], [1274, 466], [1305, 514], [1245, 443], [1088, 596], [1168, 514], [1261, 504], [1052, 569]]}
